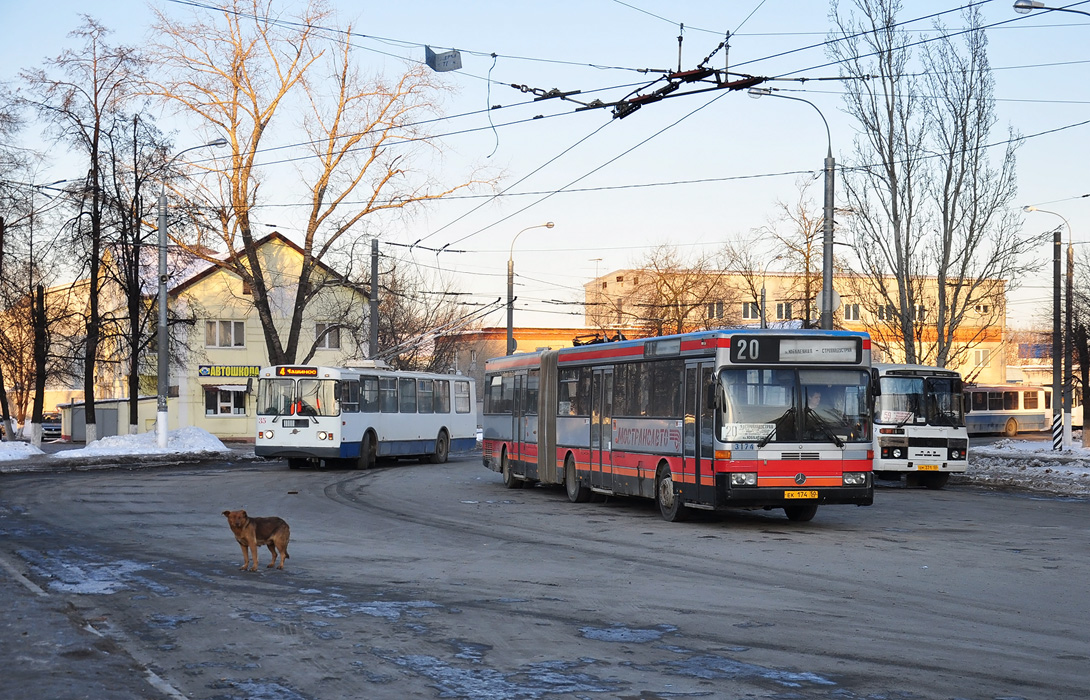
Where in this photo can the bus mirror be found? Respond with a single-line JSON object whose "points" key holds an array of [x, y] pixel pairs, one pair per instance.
{"points": [[715, 395], [875, 385]]}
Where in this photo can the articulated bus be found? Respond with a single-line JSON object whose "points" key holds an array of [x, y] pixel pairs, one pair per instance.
{"points": [[351, 416], [724, 418], [1007, 409], [919, 425]]}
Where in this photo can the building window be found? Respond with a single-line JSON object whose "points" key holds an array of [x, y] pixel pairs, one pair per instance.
{"points": [[620, 278], [783, 311], [715, 309], [750, 310], [980, 357], [331, 340], [983, 309], [246, 289], [218, 402], [887, 313], [851, 312], [918, 313], [225, 334]]}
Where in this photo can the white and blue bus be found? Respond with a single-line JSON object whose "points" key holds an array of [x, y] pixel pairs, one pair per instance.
{"points": [[1007, 408], [349, 417], [919, 425]]}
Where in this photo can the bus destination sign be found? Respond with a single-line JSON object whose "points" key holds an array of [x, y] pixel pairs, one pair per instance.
{"points": [[297, 371], [753, 349]]}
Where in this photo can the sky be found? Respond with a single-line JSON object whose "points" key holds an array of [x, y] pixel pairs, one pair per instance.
{"points": [[695, 171]]}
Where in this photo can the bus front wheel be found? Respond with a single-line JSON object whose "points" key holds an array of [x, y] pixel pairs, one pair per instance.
{"points": [[1011, 428], [800, 514], [509, 480], [577, 492], [935, 481], [669, 502], [442, 448], [366, 459]]}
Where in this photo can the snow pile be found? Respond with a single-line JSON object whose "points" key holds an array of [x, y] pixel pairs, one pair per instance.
{"points": [[1031, 465], [184, 440], [11, 451]]}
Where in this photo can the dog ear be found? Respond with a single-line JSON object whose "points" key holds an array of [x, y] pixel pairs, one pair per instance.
{"points": [[227, 513]]}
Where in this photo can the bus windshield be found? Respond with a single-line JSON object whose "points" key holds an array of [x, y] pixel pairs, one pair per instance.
{"points": [[931, 400], [275, 397], [793, 405]]}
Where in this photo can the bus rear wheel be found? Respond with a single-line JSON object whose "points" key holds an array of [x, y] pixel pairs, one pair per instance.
{"points": [[509, 480], [669, 502], [800, 514], [1011, 428], [577, 492], [442, 448]]}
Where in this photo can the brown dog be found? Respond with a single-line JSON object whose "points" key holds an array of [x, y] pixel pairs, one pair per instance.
{"points": [[251, 533]]}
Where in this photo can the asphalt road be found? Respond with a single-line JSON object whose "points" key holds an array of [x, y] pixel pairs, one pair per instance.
{"points": [[422, 581]]}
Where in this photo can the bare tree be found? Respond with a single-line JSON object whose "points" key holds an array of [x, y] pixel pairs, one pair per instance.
{"points": [[248, 73], [673, 292], [78, 96], [930, 222]]}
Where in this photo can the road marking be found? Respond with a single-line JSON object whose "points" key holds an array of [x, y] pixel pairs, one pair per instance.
{"points": [[34, 588]]}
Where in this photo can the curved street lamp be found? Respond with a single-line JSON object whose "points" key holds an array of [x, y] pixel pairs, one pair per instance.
{"points": [[1024, 7], [1058, 339], [764, 273], [827, 247], [511, 287], [162, 352]]}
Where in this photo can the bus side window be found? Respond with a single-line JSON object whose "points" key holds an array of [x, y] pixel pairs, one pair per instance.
{"points": [[369, 394]]}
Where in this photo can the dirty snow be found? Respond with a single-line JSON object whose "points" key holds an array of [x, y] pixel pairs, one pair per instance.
{"points": [[189, 440]]}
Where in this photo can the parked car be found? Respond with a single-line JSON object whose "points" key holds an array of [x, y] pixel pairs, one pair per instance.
{"points": [[51, 425]]}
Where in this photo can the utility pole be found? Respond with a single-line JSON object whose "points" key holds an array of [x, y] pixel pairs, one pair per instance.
{"points": [[373, 345]]}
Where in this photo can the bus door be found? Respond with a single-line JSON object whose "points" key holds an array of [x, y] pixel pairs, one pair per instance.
{"points": [[517, 409], [601, 429], [698, 444]]}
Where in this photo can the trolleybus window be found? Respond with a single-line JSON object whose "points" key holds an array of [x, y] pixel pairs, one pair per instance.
{"points": [[462, 401], [350, 395], [318, 397], [407, 391], [387, 394], [275, 397], [442, 396], [425, 392], [369, 394]]}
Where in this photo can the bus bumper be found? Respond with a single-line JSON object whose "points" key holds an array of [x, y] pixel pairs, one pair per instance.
{"points": [[281, 452], [756, 497]]}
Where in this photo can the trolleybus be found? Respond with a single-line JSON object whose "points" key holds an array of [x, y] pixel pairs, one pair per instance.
{"points": [[1007, 409], [919, 425], [756, 419], [352, 416]]}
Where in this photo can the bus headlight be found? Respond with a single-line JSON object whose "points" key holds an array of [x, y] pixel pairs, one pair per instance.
{"points": [[893, 453], [267, 434], [743, 479], [323, 435], [956, 453], [855, 478]]}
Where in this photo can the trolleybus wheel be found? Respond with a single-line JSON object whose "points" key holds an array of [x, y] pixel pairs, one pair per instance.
{"points": [[509, 480], [800, 514], [669, 502], [935, 481], [367, 452], [577, 492], [1011, 428], [442, 448]]}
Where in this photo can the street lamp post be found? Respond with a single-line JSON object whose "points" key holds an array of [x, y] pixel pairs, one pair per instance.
{"points": [[511, 287], [1057, 339], [1023, 7], [764, 273], [827, 243], [163, 354]]}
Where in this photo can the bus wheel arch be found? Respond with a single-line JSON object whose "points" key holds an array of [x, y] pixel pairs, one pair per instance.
{"points": [[442, 447], [577, 492], [509, 479], [1011, 428], [668, 499]]}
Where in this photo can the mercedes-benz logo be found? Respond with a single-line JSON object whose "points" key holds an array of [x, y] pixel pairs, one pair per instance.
{"points": [[800, 479]]}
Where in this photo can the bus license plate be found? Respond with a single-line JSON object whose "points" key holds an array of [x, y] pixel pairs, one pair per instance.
{"points": [[800, 494], [927, 467]]}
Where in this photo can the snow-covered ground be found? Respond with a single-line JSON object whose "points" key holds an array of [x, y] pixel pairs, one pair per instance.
{"points": [[183, 441], [1030, 465]]}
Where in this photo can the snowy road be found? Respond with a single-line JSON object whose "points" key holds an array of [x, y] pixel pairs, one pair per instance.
{"points": [[436, 582]]}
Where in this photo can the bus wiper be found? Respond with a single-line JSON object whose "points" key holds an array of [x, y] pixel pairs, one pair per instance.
{"points": [[911, 415], [789, 413], [766, 438], [824, 428]]}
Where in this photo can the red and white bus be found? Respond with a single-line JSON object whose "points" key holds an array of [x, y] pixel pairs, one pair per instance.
{"points": [[724, 418]]}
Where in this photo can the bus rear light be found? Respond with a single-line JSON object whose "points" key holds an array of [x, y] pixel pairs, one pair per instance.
{"points": [[855, 478], [743, 479], [722, 454]]}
